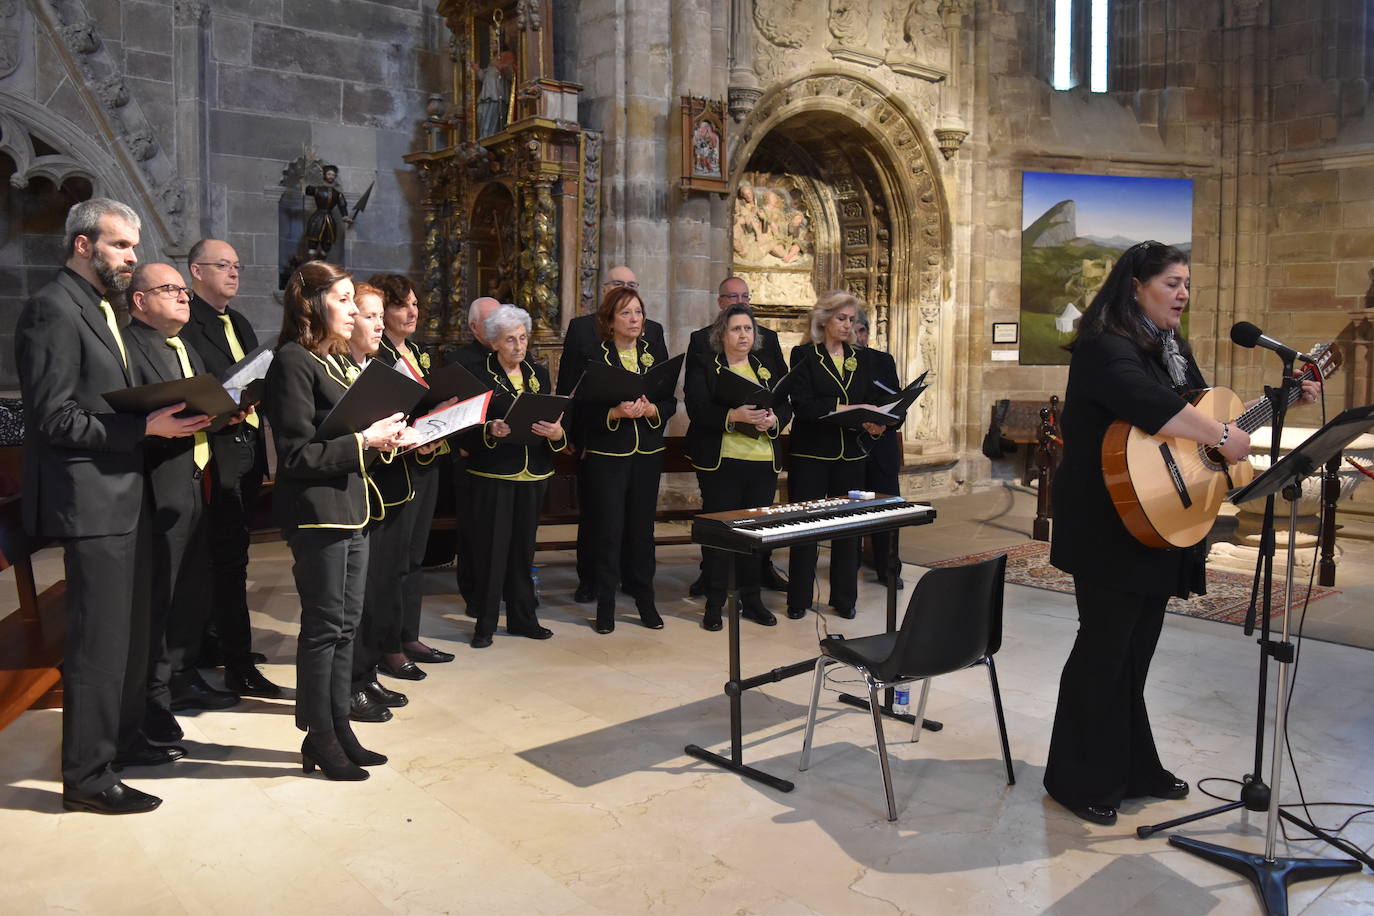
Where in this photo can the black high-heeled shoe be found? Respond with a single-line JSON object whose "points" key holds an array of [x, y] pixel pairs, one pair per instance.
{"points": [[322, 749], [343, 731], [648, 615]]}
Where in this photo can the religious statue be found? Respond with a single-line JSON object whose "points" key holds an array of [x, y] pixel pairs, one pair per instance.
{"points": [[322, 229], [849, 22], [494, 83]]}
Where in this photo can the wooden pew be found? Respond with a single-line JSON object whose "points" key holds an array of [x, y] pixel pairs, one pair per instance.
{"points": [[31, 637]]}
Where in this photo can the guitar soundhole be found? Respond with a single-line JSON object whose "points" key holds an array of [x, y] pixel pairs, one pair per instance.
{"points": [[1211, 458]]}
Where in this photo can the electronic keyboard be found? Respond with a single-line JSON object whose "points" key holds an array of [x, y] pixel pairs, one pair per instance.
{"points": [[748, 530]]}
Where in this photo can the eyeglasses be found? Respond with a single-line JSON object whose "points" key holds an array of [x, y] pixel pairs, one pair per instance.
{"points": [[170, 290], [225, 266], [735, 297], [631, 284]]}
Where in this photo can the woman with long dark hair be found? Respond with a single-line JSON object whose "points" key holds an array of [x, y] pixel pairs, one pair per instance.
{"points": [[321, 501], [1128, 363]]}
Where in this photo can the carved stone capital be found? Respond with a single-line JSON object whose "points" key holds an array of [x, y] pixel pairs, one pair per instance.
{"points": [[742, 101], [190, 12]]}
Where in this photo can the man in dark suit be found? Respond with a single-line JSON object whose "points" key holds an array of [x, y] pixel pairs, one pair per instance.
{"points": [[173, 503], [735, 291], [580, 343], [222, 336], [83, 484]]}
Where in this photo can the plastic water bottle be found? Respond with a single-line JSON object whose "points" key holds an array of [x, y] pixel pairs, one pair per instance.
{"points": [[901, 699]]}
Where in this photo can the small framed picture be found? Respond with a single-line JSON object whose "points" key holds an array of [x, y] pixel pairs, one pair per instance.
{"points": [[1005, 332], [703, 145]]}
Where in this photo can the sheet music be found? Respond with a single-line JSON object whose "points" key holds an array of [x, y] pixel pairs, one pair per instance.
{"points": [[402, 365], [249, 370], [450, 420]]}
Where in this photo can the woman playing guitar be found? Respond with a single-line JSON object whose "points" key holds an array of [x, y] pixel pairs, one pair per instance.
{"points": [[1127, 364]]}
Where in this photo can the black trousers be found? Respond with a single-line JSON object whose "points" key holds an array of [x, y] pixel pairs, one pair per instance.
{"points": [[809, 478], [464, 568], [105, 660], [734, 485], [330, 570], [229, 508], [504, 551], [880, 476], [622, 499], [193, 601], [379, 626], [178, 588], [1102, 749], [417, 516]]}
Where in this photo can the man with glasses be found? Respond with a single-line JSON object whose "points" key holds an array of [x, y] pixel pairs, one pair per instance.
{"points": [[580, 343], [83, 485], [222, 336], [172, 544], [735, 291]]}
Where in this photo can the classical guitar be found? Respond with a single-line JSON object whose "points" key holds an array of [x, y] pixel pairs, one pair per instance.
{"points": [[1168, 490]]}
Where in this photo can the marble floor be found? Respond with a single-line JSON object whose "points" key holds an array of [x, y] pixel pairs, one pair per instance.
{"points": [[549, 777]]}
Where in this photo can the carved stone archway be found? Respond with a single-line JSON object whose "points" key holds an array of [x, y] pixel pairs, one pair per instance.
{"points": [[843, 108]]}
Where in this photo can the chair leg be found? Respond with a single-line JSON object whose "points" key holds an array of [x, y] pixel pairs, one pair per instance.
{"points": [[811, 712], [877, 711], [920, 710], [1001, 719]]}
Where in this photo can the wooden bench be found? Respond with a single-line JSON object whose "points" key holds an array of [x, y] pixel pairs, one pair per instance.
{"points": [[31, 637]]}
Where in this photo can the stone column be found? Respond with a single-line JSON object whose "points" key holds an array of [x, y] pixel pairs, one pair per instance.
{"points": [[744, 82], [190, 45]]}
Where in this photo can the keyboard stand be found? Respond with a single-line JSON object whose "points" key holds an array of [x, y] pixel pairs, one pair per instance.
{"points": [[736, 685]]}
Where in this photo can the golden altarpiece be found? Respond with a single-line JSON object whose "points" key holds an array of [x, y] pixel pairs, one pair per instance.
{"points": [[511, 180]]}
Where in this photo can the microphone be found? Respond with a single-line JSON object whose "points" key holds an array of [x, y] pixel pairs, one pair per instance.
{"points": [[1245, 334]]}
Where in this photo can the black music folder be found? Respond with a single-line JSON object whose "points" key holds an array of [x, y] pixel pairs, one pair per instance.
{"points": [[734, 390], [529, 409], [451, 381], [378, 392], [603, 384], [203, 394]]}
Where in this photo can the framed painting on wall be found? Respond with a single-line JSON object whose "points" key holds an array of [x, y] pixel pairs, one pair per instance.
{"points": [[1073, 229], [703, 145]]}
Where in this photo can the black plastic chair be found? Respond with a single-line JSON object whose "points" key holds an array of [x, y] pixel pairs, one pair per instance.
{"points": [[953, 622]]}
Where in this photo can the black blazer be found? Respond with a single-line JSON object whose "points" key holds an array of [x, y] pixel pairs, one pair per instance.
{"points": [[83, 464], [490, 457], [388, 353], [170, 464], [1111, 378], [471, 355], [389, 474], [709, 426], [582, 342], [885, 454], [816, 390], [319, 484], [204, 333], [621, 437], [699, 347]]}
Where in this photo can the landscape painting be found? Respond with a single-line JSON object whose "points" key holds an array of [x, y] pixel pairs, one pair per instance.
{"points": [[1073, 228]]}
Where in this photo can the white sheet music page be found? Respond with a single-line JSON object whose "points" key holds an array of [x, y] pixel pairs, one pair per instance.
{"points": [[250, 370], [450, 420]]}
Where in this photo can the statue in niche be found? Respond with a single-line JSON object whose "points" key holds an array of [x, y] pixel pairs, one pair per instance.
{"points": [[495, 81], [922, 27], [322, 229], [849, 22]]}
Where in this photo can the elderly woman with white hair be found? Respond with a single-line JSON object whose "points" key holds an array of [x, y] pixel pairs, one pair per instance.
{"points": [[508, 483], [828, 459]]}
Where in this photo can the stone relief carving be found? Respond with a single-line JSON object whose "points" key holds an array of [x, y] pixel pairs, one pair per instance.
{"points": [[81, 38], [113, 93], [849, 22], [590, 259], [527, 15], [142, 144], [189, 12], [783, 22]]}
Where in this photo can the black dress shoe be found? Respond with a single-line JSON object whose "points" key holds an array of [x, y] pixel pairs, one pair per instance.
{"points": [[161, 726], [697, 588], [353, 748], [246, 680], [846, 612], [480, 642], [711, 619], [584, 594], [430, 656], [774, 579], [405, 672], [189, 691], [797, 613], [323, 750], [755, 611], [150, 755], [117, 799], [649, 616], [533, 633], [604, 626], [378, 694], [362, 708], [1096, 814], [1171, 789]]}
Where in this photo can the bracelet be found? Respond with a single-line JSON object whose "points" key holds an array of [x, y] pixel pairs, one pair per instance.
{"points": [[1225, 434]]}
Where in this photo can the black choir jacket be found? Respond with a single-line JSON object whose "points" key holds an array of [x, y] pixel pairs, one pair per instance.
{"points": [[390, 473], [708, 416], [816, 390], [492, 457], [169, 463], [319, 484], [204, 333], [621, 438], [83, 463], [885, 454]]}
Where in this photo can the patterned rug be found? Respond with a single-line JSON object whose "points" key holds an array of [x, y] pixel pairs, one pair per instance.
{"points": [[1227, 598]]}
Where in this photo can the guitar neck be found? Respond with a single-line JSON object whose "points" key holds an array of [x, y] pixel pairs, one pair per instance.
{"points": [[1263, 412]]}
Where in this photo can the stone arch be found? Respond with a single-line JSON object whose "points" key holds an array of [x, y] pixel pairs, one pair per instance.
{"points": [[855, 111]]}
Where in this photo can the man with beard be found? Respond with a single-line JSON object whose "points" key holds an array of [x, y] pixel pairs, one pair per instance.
{"points": [[83, 484], [223, 336]]}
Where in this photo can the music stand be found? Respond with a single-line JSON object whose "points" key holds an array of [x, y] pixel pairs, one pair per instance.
{"points": [[1270, 875]]}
